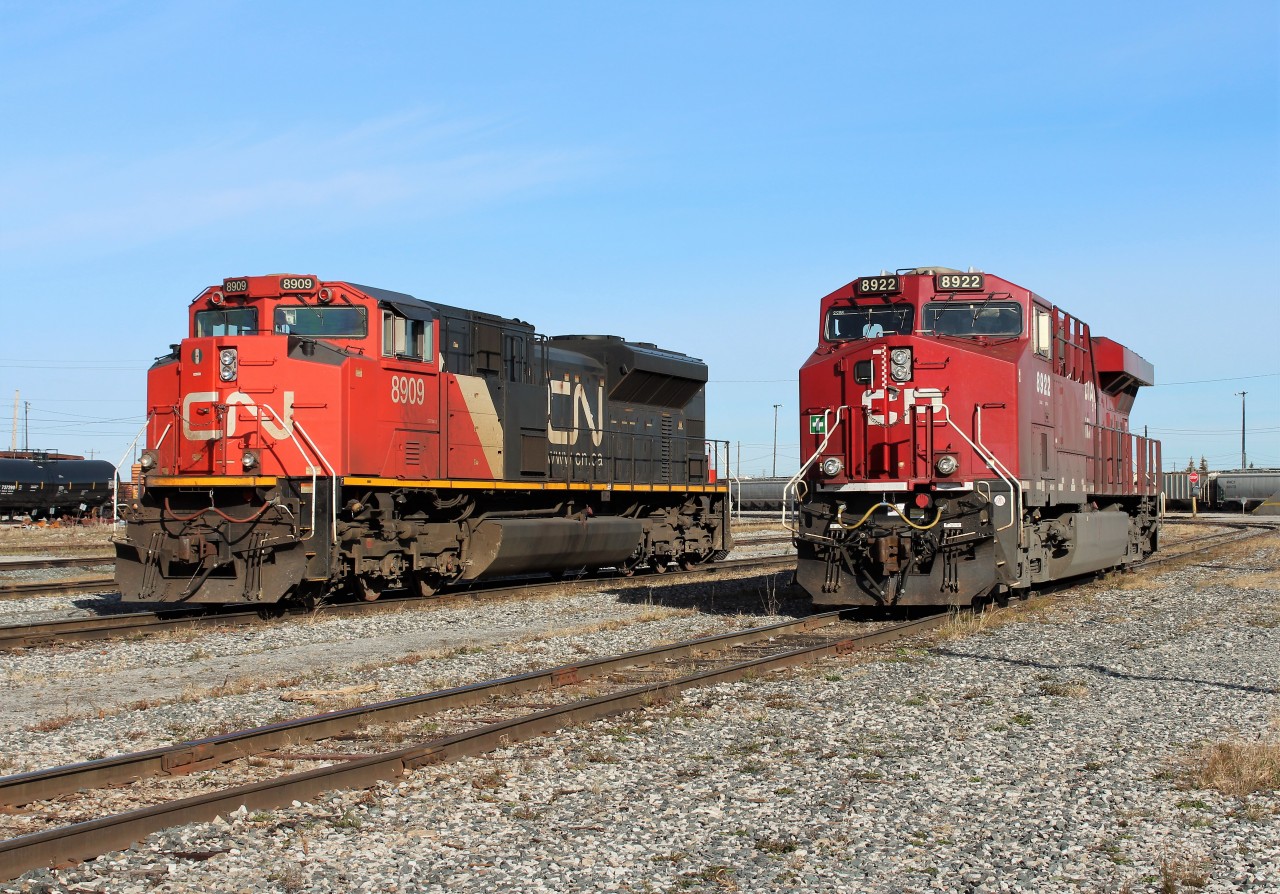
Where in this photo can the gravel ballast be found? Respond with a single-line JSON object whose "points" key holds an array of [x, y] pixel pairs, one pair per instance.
{"points": [[1047, 754]]}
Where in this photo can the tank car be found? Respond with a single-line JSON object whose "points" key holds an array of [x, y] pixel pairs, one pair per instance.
{"points": [[963, 438], [312, 439], [50, 485]]}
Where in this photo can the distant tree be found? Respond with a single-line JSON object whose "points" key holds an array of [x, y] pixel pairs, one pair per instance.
{"points": [[1191, 464], [1204, 465]]}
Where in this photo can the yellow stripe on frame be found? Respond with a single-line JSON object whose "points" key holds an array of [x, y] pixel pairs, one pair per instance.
{"points": [[209, 481], [466, 484], [535, 485]]}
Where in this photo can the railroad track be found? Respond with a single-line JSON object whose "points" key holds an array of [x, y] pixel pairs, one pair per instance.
{"points": [[28, 589], [1202, 543], [64, 562], [358, 747], [132, 624]]}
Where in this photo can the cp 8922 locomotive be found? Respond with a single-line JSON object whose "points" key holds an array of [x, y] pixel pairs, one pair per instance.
{"points": [[965, 438], [314, 439]]}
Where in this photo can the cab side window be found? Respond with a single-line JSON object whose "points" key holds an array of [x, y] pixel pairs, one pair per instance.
{"points": [[405, 338], [1043, 333]]}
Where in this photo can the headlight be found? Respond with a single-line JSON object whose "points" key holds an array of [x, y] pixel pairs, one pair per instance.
{"points": [[946, 464], [227, 364], [249, 460], [900, 364], [147, 461], [832, 466]]}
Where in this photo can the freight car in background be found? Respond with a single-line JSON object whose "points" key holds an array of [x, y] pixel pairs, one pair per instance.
{"points": [[758, 494], [311, 439], [47, 485], [1240, 490], [964, 438]]}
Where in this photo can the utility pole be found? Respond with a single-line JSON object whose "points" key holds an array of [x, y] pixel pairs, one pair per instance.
{"points": [[26, 425], [1243, 465], [775, 439]]}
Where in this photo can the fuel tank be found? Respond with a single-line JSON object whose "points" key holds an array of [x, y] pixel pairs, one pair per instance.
{"points": [[513, 546]]}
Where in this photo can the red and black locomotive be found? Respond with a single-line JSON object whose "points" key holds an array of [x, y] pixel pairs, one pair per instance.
{"points": [[964, 438], [316, 438]]}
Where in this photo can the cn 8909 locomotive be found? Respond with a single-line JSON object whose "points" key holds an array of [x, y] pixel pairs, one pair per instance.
{"points": [[964, 438], [313, 439]]}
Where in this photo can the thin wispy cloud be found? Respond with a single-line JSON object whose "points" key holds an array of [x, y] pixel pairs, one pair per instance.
{"points": [[410, 166]]}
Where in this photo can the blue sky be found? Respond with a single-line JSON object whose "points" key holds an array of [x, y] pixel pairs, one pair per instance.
{"points": [[697, 175]]}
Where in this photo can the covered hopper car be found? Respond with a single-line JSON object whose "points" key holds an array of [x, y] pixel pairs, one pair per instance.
{"points": [[964, 438], [310, 439]]}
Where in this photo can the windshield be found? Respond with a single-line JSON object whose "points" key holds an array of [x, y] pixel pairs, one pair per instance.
{"points": [[970, 318], [324, 322], [846, 323], [231, 321]]}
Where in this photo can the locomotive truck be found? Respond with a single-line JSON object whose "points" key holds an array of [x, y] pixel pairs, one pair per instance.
{"points": [[310, 440], [964, 438]]}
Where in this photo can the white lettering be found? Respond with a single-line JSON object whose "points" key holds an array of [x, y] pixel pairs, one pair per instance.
{"points": [[192, 433], [408, 390], [582, 412], [278, 427], [1044, 384]]}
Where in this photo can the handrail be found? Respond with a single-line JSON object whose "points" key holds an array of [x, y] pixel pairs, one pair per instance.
{"points": [[793, 483], [1015, 511], [333, 477], [115, 484], [310, 465]]}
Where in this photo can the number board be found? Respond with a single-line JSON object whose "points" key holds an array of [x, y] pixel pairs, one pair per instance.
{"points": [[960, 282], [235, 286], [879, 285], [297, 283]]}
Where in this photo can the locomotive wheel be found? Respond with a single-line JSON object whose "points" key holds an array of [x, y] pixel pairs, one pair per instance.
{"points": [[370, 589], [690, 561], [426, 585], [627, 568], [659, 564]]}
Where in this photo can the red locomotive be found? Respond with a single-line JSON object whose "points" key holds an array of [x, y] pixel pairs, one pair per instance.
{"points": [[314, 438], [964, 438]]}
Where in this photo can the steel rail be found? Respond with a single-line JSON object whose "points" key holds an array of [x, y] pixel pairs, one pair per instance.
{"points": [[27, 589], [1239, 532], [65, 562], [89, 839], [46, 633]]}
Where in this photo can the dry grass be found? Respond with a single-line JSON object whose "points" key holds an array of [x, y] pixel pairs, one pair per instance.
{"points": [[1237, 767], [1136, 580], [86, 537], [962, 625], [1066, 690], [772, 524], [1181, 871], [1258, 580]]}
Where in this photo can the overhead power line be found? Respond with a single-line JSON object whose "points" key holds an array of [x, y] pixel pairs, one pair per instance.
{"points": [[1206, 381]]}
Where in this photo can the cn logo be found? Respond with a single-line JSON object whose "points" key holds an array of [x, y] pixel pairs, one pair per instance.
{"points": [[205, 425], [593, 421]]}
